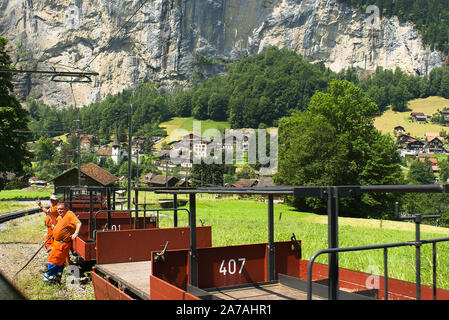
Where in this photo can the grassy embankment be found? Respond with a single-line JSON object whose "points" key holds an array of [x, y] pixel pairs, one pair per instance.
{"points": [[177, 127]]}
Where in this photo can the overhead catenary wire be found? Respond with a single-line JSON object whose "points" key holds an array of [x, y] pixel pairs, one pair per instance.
{"points": [[78, 74], [75, 74], [116, 33], [85, 129]]}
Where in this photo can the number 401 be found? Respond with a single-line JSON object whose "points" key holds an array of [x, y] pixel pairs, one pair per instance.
{"points": [[231, 266]]}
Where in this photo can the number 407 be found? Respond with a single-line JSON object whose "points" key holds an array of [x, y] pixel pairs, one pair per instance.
{"points": [[231, 266]]}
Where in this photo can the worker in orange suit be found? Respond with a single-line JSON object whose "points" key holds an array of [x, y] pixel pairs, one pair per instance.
{"points": [[65, 231], [50, 218]]}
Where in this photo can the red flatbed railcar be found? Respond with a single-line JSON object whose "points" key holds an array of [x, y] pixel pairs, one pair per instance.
{"points": [[174, 267]]}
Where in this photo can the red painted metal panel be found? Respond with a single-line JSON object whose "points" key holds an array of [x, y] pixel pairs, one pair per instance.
{"points": [[82, 214], [82, 202], [231, 265], [287, 259], [173, 268], [357, 281], [136, 245], [162, 290], [85, 250], [84, 231], [104, 290], [227, 266]]}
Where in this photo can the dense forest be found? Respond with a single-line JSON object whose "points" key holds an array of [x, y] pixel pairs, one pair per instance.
{"points": [[431, 17], [255, 93]]}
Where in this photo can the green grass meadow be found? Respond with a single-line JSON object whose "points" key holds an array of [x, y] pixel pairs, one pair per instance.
{"points": [[186, 124], [8, 198], [11, 205], [390, 119], [24, 194]]}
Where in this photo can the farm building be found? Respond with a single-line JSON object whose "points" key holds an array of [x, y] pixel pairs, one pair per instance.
{"points": [[91, 175], [160, 180]]}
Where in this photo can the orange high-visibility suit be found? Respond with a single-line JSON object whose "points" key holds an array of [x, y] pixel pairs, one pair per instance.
{"points": [[65, 227], [62, 238], [50, 222]]}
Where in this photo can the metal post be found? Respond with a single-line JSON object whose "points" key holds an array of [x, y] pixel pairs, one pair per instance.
{"points": [[70, 199], [386, 273], [130, 130], [434, 259], [270, 248], [175, 210], [144, 215], [193, 258], [91, 225], [113, 198], [332, 216], [137, 166], [136, 219], [79, 151], [108, 201], [418, 219], [418, 256], [166, 173]]}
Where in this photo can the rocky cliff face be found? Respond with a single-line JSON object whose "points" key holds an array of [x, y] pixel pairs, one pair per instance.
{"points": [[163, 40]]}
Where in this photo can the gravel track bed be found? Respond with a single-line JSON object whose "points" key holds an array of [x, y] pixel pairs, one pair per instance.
{"points": [[15, 254]]}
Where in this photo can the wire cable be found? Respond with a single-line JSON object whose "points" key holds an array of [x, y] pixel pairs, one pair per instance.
{"points": [[112, 38]]}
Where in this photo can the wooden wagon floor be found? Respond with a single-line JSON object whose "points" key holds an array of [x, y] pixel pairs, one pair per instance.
{"points": [[274, 291], [134, 275]]}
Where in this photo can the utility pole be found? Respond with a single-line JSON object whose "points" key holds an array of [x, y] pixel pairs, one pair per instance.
{"points": [[137, 165], [166, 173], [130, 130], [79, 151]]}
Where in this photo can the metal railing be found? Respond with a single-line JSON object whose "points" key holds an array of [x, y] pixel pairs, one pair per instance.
{"points": [[94, 229], [385, 261]]}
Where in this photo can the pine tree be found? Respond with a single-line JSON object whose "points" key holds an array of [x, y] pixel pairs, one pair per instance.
{"points": [[13, 117]]}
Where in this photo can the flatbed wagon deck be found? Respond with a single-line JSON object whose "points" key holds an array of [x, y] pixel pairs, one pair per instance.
{"points": [[269, 291], [134, 278], [133, 275]]}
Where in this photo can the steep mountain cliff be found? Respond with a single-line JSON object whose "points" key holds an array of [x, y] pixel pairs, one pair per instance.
{"points": [[130, 41]]}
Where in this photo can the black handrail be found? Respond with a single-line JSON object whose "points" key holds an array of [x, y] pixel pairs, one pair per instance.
{"points": [[374, 247], [94, 230]]}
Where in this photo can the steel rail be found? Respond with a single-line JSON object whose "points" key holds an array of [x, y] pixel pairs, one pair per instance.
{"points": [[8, 216]]}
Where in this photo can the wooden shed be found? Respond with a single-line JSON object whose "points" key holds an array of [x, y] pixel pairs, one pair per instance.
{"points": [[91, 175]]}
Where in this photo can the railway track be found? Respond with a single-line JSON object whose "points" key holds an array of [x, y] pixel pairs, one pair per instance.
{"points": [[17, 214]]}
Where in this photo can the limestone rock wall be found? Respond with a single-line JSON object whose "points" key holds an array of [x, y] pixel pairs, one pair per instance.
{"points": [[161, 40]]}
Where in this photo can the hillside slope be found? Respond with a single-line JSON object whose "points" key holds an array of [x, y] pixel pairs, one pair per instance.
{"points": [[428, 106]]}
